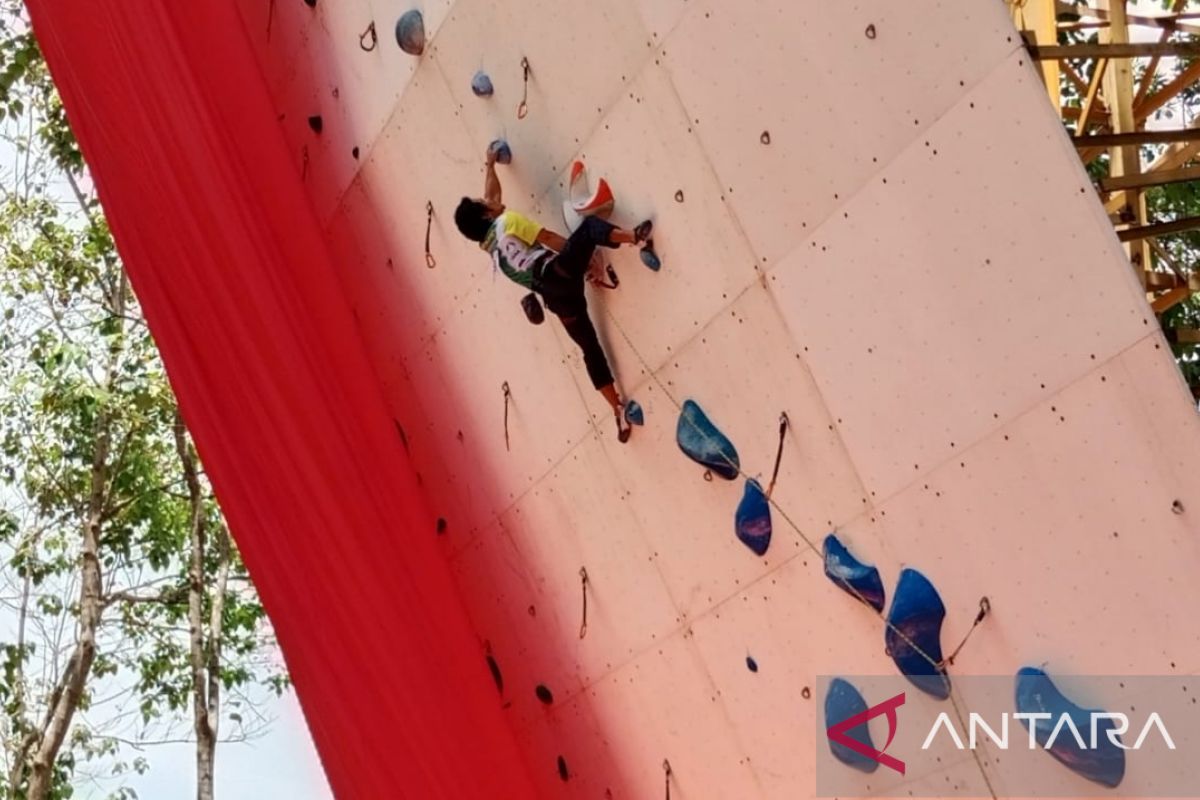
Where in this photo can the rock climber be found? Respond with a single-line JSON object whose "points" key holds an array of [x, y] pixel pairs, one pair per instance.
{"points": [[544, 262]]}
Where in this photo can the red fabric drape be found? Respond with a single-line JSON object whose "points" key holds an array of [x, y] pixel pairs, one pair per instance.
{"points": [[225, 254]]}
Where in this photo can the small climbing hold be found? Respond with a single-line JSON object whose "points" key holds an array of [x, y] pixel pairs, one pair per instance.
{"points": [[765, 138], [481, 85], [913, 636], [501, 150], [410, 32], [700, 441], [1176, 507], [860, 581], [751, 664], [543, 694], [354, 153], [870, 31], [806, 692], [842, 702], [562, 769], [316, 123], [1103, 762], [752, 522], [310, 3], [441, 525], [650, 258], [679, 195], [634, 413]]}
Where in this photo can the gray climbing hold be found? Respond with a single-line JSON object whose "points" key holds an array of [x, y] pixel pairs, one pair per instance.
{"points": [[502, 150], [481, 85], [410, 32], [700, 440]]}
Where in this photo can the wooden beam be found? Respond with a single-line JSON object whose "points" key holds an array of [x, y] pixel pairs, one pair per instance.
{"points": [[1175, 156], [1151, 68], [1115, 50], [1185, 335], [1167, 93], [1172, 298], [1141, 20], [1159, 178], [1159, 229], [1093, 89], [1137, 138]]}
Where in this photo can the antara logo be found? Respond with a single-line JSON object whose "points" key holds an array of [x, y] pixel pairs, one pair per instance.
{"points": [[838, 733], [1064, 727]]}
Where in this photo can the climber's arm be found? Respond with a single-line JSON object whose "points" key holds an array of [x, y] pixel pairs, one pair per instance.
{"points": [[550, 239], [491, 182]]}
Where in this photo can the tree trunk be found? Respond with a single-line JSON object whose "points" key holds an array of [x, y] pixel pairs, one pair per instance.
{"points": [[64, 700]]}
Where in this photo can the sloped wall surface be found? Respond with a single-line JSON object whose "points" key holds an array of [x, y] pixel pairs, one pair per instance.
{"points": [[869, 221]]}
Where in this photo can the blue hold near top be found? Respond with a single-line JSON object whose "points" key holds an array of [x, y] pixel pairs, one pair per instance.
{"points": [[700, 440], [860, 581], [1037, 694], [914, 633], [481, 85], [502, 150], [752, 523], [410, 32], [842, 702]]}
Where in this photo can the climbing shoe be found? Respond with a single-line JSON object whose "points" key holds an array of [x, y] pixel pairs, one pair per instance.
{"points": [[643, 232], [624, 429]]}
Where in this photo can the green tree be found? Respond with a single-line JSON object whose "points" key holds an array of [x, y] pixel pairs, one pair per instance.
{"points": [[133, 610]]}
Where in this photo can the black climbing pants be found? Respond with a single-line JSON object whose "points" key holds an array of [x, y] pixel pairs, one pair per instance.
{"points": [[561, 284]]}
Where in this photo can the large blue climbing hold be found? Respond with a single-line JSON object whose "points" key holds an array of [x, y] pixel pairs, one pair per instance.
{"points": [[858, 580], [1037, 694], [752, 522], [842, 702], [502, 150], [481, 85], [700, 440], [410, 32], [914, 633]]}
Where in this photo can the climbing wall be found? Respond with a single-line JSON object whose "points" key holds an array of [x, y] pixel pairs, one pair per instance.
{"points": [[869, 220]]}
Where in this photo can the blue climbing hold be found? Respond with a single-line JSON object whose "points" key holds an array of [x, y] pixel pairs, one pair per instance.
{"points": [[914, 633], [651, 259], [634, 413], [752, 523], [1037, 694], [700, 440], [481, 85], [860, 581], [410, 32], [502, 150], [842, 702], [751, 664]]}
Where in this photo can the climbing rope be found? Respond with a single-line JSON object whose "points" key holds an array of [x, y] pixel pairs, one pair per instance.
{"points": [[938, 666], [369, 32], [667, 777], [523, 108], [783, 426], [583, 582], [507, 395], [985, 608], [430, 261]]}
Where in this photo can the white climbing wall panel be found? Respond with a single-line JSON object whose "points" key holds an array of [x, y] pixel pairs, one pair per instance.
{"points": [[870, 219]]}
